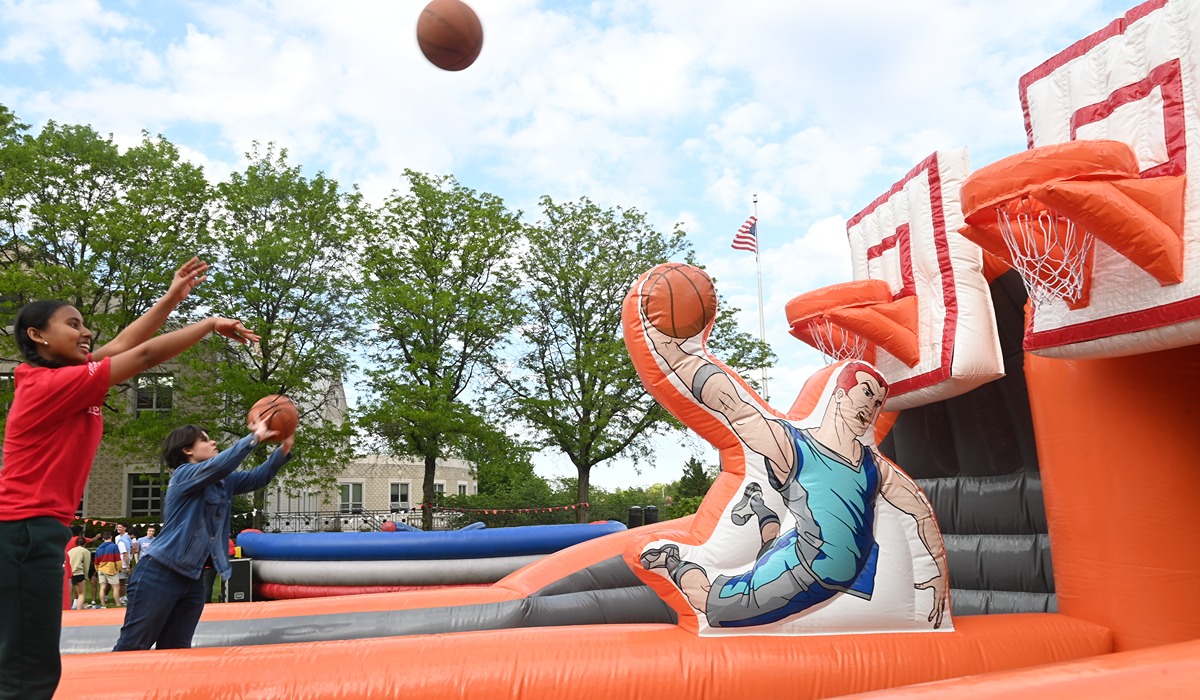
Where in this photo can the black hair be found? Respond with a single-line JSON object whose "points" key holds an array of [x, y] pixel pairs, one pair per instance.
{"points": [[179, 440], [77, 529], [35, 314], [81, 541]]}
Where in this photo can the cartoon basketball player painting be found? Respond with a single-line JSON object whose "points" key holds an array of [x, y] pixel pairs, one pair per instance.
{"points": [[821, 542]]}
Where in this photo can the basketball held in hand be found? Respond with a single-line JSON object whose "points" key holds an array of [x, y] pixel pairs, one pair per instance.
{"points": [[279, 413], [679, 300], [449, 34]]}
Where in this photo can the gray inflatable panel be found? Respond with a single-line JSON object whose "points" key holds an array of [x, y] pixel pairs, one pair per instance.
{"points": [[420, 572], [623, 605]]}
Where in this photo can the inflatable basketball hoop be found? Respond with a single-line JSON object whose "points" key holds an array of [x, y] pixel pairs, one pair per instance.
{"points": [[1043, 211], [848, 321]]}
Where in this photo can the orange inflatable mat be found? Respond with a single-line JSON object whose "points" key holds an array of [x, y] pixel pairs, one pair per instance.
{"points": [[590, 663]]}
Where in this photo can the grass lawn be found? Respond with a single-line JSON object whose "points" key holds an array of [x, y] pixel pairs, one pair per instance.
{"points": [[214, 595]]}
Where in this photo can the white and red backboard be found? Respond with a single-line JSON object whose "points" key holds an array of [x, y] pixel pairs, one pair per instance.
{"points": [[1137, 80], [908, 238]]}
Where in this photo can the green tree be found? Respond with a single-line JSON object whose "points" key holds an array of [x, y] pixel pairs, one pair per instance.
{"points": [[503, 466], [510, 492], [94, 227], [573, 383], [15, 153], [695, 480], [682, 506], [440, 288], [284, 266], [101, 229]]}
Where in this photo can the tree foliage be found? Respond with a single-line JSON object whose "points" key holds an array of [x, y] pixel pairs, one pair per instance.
{"points": [[440, 289], [695, 480], [285, 244], [100, 229], [572, 382]]}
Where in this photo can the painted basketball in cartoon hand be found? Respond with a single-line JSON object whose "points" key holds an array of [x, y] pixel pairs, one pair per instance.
{"points": [[678, 299]]}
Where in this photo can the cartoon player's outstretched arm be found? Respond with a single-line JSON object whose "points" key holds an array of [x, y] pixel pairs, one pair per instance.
{"points": [[713, 388], [899, 490]]}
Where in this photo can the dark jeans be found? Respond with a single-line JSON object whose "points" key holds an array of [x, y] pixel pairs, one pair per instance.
{"points": [[163, 609], [31, 582]]}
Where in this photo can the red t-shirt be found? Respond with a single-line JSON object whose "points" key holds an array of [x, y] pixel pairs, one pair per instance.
{"points": [[51, 437]]}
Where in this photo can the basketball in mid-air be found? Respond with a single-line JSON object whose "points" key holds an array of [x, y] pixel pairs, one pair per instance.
{"points": [[678, 299], [449, 34], [280, 414]]}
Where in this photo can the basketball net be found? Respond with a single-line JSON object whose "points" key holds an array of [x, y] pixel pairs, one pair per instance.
{"points": [[1047, 251], [835, 343]]}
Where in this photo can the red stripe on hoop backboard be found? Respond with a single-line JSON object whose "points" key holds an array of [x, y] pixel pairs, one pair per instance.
{"points": [[903, 245], [1079, 48], [928, 167], [1132, 322], [1167, 77]]}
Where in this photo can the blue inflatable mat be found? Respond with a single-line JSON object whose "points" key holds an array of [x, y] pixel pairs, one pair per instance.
{"points": [[452, 544]]}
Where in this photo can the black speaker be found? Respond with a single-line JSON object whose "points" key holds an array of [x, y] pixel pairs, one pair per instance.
{"points": [[240, 587]]}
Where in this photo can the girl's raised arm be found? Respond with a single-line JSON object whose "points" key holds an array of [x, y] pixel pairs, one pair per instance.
{"points": [[159, 349], [190, 274]]}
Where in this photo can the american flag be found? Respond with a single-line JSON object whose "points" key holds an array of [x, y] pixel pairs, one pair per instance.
{"points": [[747, 236]]}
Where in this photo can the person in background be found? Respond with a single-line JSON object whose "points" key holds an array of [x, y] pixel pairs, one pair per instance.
{"points": [[81, 562], [77, 531], [108, 563], [125, 544], [68, 586], [144, 542]]}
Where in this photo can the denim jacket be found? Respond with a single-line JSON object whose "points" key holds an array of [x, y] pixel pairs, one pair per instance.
{"points": [[198, 505]]}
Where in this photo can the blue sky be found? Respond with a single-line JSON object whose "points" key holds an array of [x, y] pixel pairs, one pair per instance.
{"points": [[682, 109]]}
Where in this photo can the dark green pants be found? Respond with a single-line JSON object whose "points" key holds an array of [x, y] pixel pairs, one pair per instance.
{"points": [[31, 582]]}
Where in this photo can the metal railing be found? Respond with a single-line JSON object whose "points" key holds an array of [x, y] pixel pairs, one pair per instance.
{"points": [[355, 520], [363, 520]]}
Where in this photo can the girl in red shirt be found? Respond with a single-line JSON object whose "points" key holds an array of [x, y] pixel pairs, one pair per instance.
{"points": [[51, 436]]}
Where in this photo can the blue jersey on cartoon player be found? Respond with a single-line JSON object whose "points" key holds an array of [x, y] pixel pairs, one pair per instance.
{"points": [[831, 550]]}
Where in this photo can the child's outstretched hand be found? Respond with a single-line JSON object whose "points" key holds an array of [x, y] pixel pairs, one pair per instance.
{"points": [[261, 431], [190, 274], [233, 328]]}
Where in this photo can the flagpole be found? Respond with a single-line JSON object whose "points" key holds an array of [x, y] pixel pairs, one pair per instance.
{"points": [[762, 324]]}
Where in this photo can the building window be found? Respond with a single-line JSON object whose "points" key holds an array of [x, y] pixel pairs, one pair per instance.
{"points": [[145, 495], [154, 392], [439, 489], [350, 499], [400, 499], [79, 510], [462, 489], [285, 502]]}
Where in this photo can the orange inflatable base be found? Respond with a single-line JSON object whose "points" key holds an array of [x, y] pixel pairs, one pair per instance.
{"points": [[592, 662], [1170, 671]]}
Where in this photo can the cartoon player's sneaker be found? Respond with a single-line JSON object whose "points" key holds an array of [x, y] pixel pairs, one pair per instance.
{"points": [[664, 557], [743, 511]]}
